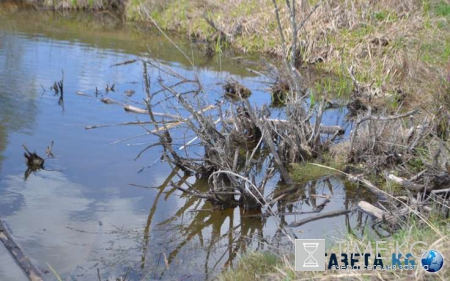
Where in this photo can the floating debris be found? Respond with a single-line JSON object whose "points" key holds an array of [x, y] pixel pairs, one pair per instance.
{"points": [[82, 94], [124, 63], [109, 89], [109, 101], [33, 160], [129, 93], [49, 152], [61, 90], [235, 90], [55, 88], [134, 109]]}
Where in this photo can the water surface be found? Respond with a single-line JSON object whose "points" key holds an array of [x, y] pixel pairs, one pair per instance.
{"points": [[81, 214]]}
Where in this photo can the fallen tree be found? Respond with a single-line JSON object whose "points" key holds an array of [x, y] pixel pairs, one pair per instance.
{"points": [[21, 259]]}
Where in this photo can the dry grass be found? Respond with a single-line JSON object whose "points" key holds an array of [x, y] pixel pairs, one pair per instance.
{"points": [[283, 267], [393, 46], [398, 49]]}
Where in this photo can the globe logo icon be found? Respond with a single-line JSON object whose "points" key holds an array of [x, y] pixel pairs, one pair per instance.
{"points": [[432, 261]]}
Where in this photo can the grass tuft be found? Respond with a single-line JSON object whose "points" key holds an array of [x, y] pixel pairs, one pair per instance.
{"points": [[253, 266], [282, 268], [442, 9], [306, 172]]}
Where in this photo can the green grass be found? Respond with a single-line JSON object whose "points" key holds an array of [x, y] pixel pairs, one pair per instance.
{"points": [[436, 52], [306, 172], [259, 266], [442, 9], [384, 15], [252, 266], [54, 272], [339, 86]]}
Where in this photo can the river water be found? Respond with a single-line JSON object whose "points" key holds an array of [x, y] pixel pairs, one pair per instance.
{"points": [[95, 209]]}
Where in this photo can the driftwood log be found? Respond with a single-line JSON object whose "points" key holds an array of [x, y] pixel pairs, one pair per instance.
{"points": [[24, 263], [371, 210], [438, 181], [406, 183], [370, 186], [134, 109], [393, 218]]}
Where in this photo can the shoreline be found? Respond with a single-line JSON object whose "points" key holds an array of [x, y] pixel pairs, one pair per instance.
{"points": [[382, 44]]}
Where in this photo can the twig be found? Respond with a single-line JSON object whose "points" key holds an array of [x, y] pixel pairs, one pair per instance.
{"points": [[118, 124], [125, 62], [283, 214], [291, 8], [134, 109], [422, 133], [145, 149], [168, 38], [49, 152], [214, 26], [143, 186], [375, 190], [280, 29], [376, 118], [166, 261], [321, 216], [440, 191], [128, 138], [307, 17], [190, 192], [195, 138]]}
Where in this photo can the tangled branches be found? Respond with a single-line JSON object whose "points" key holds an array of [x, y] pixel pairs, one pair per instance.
{"points": [[243, 146]]}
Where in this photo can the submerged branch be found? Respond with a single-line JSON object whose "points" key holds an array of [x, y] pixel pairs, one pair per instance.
{"points": [[24, 263], [319, 217], [118, 124]]}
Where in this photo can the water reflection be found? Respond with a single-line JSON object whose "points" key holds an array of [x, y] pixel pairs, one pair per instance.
{"points": [[81, 213], [17, 107], [192, 241], [217, 238]]}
